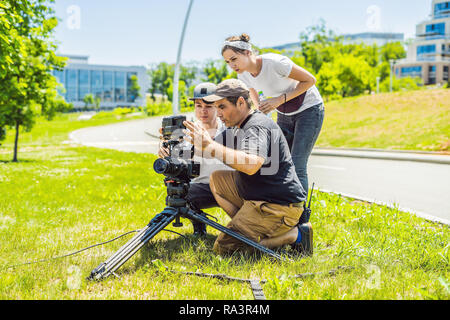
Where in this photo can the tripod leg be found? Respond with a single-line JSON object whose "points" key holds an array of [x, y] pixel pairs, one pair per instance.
{"points": [[158, 223], [199, 217]]}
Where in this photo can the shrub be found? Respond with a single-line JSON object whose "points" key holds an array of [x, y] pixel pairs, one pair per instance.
{"points": [[155, 109]]}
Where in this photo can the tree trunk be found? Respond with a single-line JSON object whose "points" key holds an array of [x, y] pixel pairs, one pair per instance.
{"points": [[16, 142]]}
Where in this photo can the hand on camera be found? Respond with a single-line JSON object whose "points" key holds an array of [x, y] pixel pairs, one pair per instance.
{"points": [[163, 152], [197, 135]]}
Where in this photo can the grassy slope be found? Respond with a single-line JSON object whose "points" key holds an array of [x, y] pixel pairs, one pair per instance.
{"points": [[415, 120], [60, 198]]}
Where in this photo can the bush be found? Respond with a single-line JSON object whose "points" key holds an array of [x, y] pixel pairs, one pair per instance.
{"points": [[447, 85], [401, 84], [156, 109], [122, 111]]}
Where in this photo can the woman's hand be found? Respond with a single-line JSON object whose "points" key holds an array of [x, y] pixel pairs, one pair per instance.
{"points": [[270, 104]]}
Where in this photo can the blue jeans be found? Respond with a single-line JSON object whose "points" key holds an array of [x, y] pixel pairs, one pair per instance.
{"points": [[301, 131]]}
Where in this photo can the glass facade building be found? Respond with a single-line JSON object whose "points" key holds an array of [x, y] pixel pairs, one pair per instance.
{"points": [[430, 51], [112, 84]]}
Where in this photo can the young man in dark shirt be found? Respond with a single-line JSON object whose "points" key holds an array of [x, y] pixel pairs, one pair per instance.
{"points": [[263, 197]]}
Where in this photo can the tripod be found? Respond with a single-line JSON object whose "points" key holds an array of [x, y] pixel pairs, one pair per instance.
{"points": [[177, 208]]}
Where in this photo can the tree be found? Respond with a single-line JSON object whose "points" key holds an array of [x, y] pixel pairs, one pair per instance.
{"points": [[161, 78], [402, 84], [134, 88], [97, 101], [27, 57], [318, 46], [215, 71], [346, 76], [88, 100]]}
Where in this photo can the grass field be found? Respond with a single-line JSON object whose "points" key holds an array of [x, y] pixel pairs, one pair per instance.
{"points": [[413, 120], [60, 198]]}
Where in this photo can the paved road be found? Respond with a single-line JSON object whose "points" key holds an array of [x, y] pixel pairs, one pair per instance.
{"points": [[127, 136], [422, 188], [418, 187]]}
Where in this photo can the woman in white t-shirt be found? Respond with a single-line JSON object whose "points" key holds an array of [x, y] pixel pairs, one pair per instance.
{"points": [[277, 83]]}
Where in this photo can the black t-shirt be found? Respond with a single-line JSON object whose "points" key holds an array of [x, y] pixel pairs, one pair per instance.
{"points": [[276, 181]]}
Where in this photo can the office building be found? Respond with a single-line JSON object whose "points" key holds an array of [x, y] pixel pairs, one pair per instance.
{"points": [[112, 84], [429, 55], [371, 38]]}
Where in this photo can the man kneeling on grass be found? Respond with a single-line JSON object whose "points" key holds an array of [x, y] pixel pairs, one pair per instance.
{"points": [[263, 197]]}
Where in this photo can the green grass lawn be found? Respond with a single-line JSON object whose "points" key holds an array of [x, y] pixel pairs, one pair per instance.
{"points": [[413, 120], [60, 198]]}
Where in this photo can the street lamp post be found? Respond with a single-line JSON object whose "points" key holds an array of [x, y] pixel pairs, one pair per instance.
{"points": [[392, 63], [177, 66]]}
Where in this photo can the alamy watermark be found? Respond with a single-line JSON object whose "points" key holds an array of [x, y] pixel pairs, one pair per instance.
{"points": [[374, 280], [373, 21], [74, 17], [263, 143], [73, 281]]}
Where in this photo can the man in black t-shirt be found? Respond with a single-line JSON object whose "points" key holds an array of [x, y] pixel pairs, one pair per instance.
{"points": [[263, 197]]}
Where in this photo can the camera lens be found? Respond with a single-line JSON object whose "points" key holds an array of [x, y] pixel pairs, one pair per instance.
{"points": [[161, 165]]}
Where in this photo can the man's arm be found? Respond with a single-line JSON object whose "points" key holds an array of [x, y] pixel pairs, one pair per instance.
{"points": [[236, 159]]}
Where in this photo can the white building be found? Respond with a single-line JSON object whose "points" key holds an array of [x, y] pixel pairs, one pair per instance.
{"points": [[429, 55]]}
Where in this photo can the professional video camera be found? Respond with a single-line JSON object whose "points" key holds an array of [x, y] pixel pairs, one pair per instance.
{"points": [[178, 167], [178, 172]]}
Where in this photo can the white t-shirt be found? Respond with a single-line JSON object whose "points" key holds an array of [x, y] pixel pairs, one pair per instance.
{"points": [[273, 81], [208, 166]]}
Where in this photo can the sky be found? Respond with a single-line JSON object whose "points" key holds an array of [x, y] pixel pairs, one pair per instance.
{"points": [[143, 32]]}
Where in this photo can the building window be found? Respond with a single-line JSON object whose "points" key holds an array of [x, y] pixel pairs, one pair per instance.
{"points": [[445, 74], [96, 84], [432, 75], [84, 84], [412, 72], [108, 86], [72, 85], [442, 10], [60, 76], [426, 52], [119, 86], [435, 31]]}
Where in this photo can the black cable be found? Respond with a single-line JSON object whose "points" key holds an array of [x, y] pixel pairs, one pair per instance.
{"points": [[73, 253], [175, 233]]}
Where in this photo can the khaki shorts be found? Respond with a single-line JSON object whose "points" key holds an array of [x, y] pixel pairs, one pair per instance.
{"points": [[256, 220]]}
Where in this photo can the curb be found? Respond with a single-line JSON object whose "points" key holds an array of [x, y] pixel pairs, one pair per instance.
{"points": [[383, 155], [435, 153], [422, 215]]}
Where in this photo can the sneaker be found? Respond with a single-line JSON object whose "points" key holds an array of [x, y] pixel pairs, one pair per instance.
{"points": [[305, 247]]}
